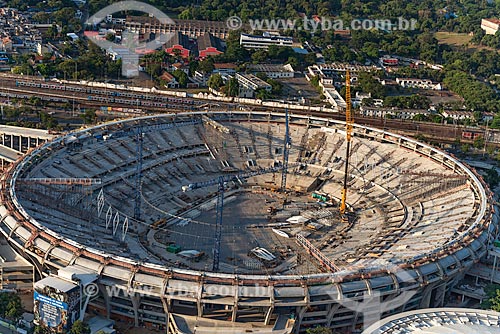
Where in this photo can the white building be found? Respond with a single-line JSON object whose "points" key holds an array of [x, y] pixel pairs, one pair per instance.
{"points": [[274, 71], [392, 112], [418, 83], [224, 68], [490, 26], [458, 115], [358, 100], [331, 94], [249, 83], [264, 41], [336, 68], [117, 53]]}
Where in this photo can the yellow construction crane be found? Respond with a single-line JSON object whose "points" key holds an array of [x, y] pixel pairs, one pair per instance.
{"points": [[349, 121]]}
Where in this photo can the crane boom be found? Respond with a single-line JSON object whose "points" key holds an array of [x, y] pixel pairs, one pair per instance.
{"points": [[349, 120]]}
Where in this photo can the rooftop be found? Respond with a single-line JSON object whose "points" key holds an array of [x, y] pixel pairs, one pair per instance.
{"points": [[208, 40], [439, 320], [56, 283], [269, 68]]}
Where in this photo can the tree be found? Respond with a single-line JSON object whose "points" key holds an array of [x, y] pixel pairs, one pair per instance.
{"points": [[493, 301], [193, 67], [40, 330], [262, 94], [89, 116], [79, 327], [215, 81], [10, 306], [181, 77], [48, 122], [478, 142], [206, 65], [233, 87], [259, 56], [277, 87], [492, 177], [369, 84]]}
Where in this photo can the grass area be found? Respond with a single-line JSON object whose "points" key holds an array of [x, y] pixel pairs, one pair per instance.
{"points": [[460, 41], [453, 38]]}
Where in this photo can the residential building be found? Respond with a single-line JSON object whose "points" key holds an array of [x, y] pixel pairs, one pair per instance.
{"points": [[178, 44], [74, 37], [392, 112], [209, 45], [274, 71], [170, 81], [249, 84], [117, 53], [201, 78], [418, 83], [224, 68], [179, 66], [490, 26], [264, 41], [336, 68], [458, 115], [389, 61], [358, 99], [488, 116], [17, 32], [331, 94]]}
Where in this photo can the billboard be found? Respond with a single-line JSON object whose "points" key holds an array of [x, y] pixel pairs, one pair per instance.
{"points": [[55, 309]]}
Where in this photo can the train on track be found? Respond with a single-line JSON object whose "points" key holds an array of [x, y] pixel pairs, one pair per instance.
{"points": [[27, 96], [111, 96]]}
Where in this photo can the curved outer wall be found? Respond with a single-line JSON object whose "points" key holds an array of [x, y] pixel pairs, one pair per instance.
{"points": [[312, 298]]}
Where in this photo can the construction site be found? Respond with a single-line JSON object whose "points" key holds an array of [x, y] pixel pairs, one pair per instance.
{"points": [[261, 222]]}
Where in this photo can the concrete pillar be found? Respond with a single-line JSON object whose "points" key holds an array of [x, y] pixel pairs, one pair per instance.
{"points": [[301, 311], [106, 297], [426, 297], [269, 313], [136, 301], [494, 268], [329, 317], [166, 309]]}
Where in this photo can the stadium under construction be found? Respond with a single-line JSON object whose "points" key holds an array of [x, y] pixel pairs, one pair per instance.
{"points": [[229, 222]]}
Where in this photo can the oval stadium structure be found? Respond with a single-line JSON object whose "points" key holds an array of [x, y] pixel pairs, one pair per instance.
{"points": [[129, 201]]}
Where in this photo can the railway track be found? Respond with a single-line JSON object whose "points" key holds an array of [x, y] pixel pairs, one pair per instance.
{"points": [[20, 87]]}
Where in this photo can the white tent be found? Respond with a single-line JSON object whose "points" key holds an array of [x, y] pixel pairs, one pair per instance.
{"points": [[297, 220]]}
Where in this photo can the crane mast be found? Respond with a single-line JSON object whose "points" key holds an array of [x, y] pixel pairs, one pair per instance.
{"points": [[348, 133], [286, 153]]}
